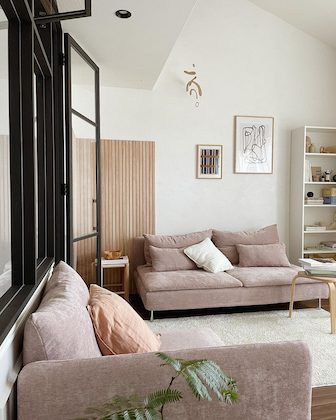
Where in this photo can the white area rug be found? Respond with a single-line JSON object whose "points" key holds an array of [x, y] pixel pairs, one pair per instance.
{"points": [[309, 325]]}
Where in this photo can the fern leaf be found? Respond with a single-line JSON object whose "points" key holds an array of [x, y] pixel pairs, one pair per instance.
{"points": [[195, 384], [170, 361], [161, 397]]}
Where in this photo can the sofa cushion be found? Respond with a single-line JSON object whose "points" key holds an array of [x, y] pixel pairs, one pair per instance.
{"points": [[61, 327], [208, 257], [188, 339], [119, 329], [170, 259], [227, 241], [184, 280], [271, 255], [267, 276], [173, 241]]}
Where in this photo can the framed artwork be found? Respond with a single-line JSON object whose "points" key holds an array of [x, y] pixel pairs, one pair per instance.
{"points": [[254, 145], [209, 161]]}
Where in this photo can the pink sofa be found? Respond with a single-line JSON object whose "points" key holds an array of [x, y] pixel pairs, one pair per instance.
{"points": [[194, 289], [65, 373]]}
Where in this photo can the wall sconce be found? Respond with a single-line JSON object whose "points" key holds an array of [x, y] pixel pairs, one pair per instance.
{"points": [[192, 87]]}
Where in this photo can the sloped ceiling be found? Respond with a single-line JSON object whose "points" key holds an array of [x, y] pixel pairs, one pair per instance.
{"points": [[316, 17], [130, 52]]}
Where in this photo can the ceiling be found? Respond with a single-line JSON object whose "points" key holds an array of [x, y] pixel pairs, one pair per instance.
{"points": [[316, 17], [130, 52]]}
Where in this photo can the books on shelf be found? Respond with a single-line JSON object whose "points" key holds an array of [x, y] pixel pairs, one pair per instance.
{"points": [[315, 228], [314, 201], [319, 266], [329, 244]]}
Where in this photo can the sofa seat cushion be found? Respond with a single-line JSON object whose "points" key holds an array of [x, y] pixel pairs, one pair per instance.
{"points": [[61, 327], [267, 276], [184, 280], [188, 339]]}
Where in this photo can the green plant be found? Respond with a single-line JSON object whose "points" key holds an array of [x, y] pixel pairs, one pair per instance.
{"points": [[202, 377]]}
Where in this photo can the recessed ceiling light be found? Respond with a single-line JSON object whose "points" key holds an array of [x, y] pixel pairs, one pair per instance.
{"points": [[123, 14]]}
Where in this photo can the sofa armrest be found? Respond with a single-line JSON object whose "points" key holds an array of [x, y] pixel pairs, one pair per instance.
{"points": [[274, 382]]}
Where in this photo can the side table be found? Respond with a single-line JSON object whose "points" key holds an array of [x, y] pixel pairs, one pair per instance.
{"points": [[331, 282], [122, 262]]}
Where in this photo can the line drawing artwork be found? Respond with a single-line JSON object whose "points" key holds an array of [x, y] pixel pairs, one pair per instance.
{"points": [[254, 144]]}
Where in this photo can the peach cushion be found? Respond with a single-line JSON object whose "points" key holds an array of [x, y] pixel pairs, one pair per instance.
{"points": [[119, 329]]}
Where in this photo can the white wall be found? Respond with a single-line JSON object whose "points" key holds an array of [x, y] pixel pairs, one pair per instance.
{"points": [[249, 62]]}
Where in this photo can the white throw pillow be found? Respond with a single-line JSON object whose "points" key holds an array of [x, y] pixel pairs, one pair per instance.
{"points": [[208, 257]]}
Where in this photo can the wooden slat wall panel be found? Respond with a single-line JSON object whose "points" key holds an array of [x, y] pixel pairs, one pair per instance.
{"points": [[84, 191], [127, 196]]}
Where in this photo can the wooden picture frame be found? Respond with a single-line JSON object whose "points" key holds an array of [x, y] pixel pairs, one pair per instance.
{"points": [[209, 161], [254, 140]]}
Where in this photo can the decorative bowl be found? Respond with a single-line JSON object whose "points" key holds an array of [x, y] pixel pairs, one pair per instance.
{"points": [[112, 254]]}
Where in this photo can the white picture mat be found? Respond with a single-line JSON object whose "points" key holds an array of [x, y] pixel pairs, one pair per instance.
{"points": [[201, 148], [254, 145]]}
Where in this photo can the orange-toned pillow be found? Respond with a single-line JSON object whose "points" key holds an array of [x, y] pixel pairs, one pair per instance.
{"points": [[119, 329]]}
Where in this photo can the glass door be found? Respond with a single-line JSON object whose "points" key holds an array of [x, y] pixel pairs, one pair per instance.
{"points": [[82, 141]]}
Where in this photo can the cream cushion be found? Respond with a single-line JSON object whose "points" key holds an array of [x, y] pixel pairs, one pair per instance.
{"points": [[119, 329], [205, 255]]}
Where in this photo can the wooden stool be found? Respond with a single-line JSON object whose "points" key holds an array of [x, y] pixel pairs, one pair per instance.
{"points": [[330, 281]]}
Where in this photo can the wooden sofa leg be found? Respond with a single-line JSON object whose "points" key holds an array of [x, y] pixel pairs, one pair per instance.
{"points": [[151, 316]]}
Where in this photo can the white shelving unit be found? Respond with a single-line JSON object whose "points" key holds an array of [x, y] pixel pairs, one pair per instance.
{"points": [[306, 243]]}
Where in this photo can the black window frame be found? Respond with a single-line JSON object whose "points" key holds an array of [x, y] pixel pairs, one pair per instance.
{"points": [[30, 43]]}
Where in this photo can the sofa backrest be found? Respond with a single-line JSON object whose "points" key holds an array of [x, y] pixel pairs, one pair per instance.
{"points": [[61, 328], [138, 252]]}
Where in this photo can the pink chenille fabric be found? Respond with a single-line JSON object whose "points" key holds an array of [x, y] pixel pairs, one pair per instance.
{"points": [[119, 329]]}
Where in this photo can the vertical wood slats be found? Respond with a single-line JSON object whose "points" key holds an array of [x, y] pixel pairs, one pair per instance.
{"points": [[127, 196]]}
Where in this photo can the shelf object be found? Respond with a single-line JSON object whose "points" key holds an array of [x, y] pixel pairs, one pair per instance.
{"points": [[122, 262], [301, 214]]}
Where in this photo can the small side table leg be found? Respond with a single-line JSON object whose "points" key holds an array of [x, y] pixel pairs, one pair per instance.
{"points": [[332, 304], [126, 282], [291, 304]]}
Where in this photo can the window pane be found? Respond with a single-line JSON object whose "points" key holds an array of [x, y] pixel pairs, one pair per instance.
{"points": [[5, 209], [83, 177], [52, 7], [82, 86]]}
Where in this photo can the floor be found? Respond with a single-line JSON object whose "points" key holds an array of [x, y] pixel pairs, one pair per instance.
{"points": [[323, 398]]}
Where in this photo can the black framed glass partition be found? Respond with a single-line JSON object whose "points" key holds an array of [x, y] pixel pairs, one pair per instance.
{"points": [[83, 142], [5, 187], [56, 10]]}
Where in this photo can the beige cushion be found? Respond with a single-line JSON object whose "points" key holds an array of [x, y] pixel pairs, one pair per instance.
{"points": [[170, 259], [61, 327], [227, 241], [272, 255], [207, 256], [119, 329], [184, 280], [173, 241], [267, 276]]}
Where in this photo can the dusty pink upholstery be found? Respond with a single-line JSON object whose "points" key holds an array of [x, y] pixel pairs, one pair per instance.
{"points": [[61, 327], [170, 259], [173, 241], [227, 241], [185, 280], [267, 276], [274, 382], [270, 255]]}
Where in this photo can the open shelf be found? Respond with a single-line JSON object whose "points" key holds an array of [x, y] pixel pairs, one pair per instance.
{"points": [[320, 183], [320, 205], [318, 231], [321, 154], [320, 251]]}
